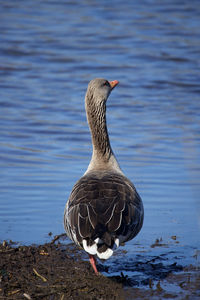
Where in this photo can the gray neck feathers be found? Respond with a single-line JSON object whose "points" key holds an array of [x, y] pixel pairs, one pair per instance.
{"points": [[96, 115]]}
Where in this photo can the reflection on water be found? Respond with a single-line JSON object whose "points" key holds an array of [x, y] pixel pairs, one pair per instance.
{"points": [[48, 53]]}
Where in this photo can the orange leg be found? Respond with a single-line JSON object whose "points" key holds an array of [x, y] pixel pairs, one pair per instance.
{"points": [[93, 263]]}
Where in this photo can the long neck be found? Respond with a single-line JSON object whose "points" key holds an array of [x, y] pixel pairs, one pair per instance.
{"points": [[102, 157], [96, 116]]}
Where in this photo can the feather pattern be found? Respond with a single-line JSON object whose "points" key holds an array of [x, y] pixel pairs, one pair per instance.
{"points": [[106, 206]]}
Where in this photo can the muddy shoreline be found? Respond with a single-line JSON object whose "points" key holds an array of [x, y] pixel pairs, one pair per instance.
{"points": [[57, 270]]}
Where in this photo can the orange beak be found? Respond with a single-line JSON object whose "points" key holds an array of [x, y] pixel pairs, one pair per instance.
{"points": [[113, 83]]}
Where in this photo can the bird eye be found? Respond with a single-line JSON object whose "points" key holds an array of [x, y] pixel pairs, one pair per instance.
{"points": [[106, 83]]}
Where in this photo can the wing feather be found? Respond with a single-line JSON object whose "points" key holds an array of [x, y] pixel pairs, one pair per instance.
{"points": [[84, 227], [92, 216], [105, 206], [115, 222]]}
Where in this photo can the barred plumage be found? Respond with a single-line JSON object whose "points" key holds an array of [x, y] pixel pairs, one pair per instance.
{"points": [[103, 206]]}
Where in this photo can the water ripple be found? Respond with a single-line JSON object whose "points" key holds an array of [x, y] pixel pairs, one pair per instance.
{"points": [[49, 52]]}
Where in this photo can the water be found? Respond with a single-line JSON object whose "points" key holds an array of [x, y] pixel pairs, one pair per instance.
{"points": [[49, 51]]}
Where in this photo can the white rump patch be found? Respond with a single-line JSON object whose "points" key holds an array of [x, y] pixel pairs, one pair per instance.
{"points": [[98, 241], [93, 249], [106, 254], [90, 249], [117, 242]]}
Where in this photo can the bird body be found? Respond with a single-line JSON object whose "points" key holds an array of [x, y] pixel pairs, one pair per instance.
{"points": [[104, 209]]}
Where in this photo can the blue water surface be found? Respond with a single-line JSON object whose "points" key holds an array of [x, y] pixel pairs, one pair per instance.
{"points": [[49, 51]]}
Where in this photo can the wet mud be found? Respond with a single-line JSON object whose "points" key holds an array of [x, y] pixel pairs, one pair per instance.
{"points": [[57, 270]]}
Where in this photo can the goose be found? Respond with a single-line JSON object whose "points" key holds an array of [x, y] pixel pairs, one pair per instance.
{"points": [[104, 210]]}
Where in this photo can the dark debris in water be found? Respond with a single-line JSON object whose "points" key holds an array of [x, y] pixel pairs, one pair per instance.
{"points": [[57, 271], [145, 271], [158, 243]]}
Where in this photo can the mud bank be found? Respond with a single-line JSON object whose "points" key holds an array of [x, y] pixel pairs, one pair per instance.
{"points": [[58, 271]]}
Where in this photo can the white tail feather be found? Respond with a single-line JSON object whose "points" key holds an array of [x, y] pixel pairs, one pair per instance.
{"points": [[90, 249], [106, 254], [93, 250]]}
